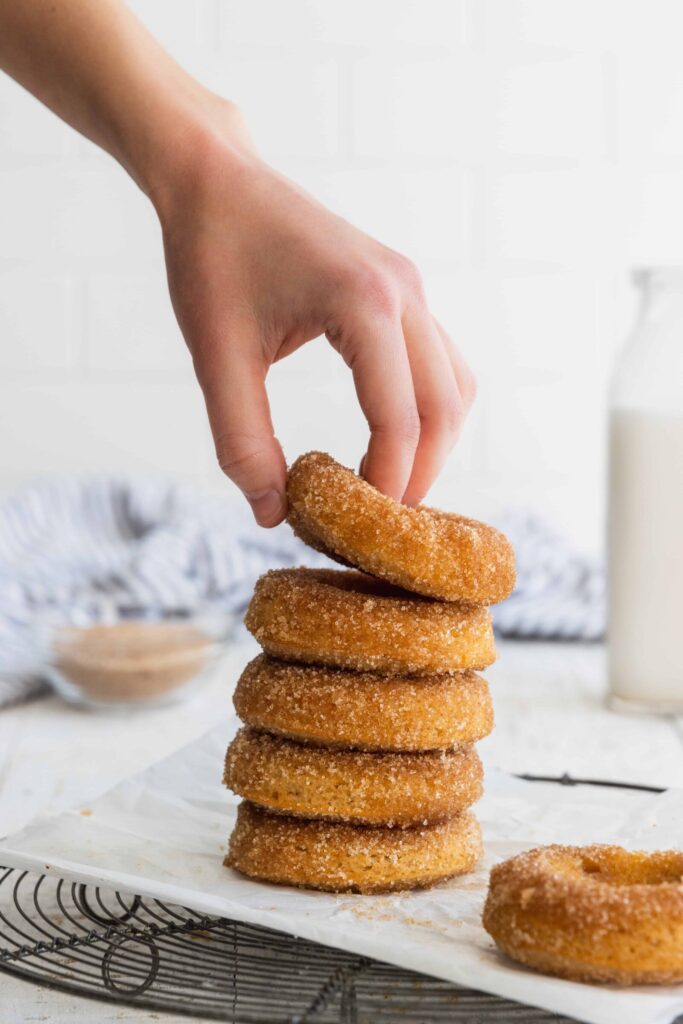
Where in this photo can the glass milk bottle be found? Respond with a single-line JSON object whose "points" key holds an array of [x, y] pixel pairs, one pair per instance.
{"points": [[645, 521]]}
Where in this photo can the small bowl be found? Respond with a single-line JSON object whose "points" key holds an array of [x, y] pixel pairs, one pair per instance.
{"points": [[108, 660]]}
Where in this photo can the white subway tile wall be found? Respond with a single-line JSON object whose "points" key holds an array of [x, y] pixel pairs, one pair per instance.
{"points": [[526, 153]]}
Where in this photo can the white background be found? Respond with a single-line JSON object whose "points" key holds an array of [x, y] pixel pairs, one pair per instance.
{"points": [[525, 153]]}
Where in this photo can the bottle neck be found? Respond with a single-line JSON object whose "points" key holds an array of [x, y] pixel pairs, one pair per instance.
{"points": [[649, 369]]}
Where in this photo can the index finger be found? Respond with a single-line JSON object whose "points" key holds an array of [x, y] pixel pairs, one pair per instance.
{"points": [[376, 353]]}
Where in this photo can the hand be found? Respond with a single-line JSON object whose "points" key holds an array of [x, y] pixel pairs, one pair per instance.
{"points": [[256, 268]]}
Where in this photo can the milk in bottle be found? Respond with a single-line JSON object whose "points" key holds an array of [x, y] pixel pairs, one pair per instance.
{"points": [[645, 519]]}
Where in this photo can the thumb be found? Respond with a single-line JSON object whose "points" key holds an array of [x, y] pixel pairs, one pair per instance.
{"points": [[233, 382]]}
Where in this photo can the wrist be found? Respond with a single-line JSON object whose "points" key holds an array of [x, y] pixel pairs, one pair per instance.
{"points": [[166, 142], [206, 143]]}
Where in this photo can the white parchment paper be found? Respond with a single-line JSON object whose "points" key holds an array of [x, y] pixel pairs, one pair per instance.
{"points": [[163, 834]]}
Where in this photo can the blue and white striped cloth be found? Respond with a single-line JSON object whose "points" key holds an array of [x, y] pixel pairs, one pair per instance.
{"points": [[88, 545]]}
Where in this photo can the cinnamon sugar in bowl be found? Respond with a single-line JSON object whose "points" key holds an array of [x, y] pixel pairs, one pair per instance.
{"points": [[132, 662]]}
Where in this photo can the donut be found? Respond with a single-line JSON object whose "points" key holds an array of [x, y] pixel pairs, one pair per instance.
{"points": [[350, 858], [366, 711], [591, 913], [350, 620], [421, 549], [352, 785]]}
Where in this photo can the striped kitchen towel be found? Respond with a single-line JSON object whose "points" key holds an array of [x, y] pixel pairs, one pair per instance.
{"points": [[560, 594], [90, 544]]}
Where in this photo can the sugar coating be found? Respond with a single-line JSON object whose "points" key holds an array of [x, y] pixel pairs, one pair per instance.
{"points": [[592, 913], [357, 761], [364, 710], [422, 549], [350, 620], [347, 858], [350, 785]]}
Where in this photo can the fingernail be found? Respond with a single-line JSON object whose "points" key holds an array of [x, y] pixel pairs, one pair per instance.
{"points": [[361, 468], [268, 507]]}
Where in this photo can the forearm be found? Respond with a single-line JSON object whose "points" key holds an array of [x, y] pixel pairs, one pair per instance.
{"points": [[97, 67]]}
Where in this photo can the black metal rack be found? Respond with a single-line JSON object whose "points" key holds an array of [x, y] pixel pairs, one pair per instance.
{"points": [[99, 943]]}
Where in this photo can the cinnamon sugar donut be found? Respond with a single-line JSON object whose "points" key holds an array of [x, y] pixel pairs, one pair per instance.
{"points": [[350, 858], [351, 785], [435, 553], [366, 711], [350, 620], [591, 913]]}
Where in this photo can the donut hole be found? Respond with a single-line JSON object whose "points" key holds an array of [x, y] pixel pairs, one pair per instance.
{"points": [[617, 867]]}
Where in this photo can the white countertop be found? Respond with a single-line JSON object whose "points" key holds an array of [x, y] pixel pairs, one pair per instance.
{"points": [[550, 719]]}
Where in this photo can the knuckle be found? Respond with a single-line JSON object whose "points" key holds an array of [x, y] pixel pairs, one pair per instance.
{"points": [[446, 413], [375, 290], [239, 455], [410, 278], [404, 426]]}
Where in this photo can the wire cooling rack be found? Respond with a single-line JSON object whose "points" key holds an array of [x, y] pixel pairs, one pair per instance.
{"points": [[99, 943]]}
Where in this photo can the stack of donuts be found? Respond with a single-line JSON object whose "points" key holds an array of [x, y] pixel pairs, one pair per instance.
{"points": [[356, 762]]}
